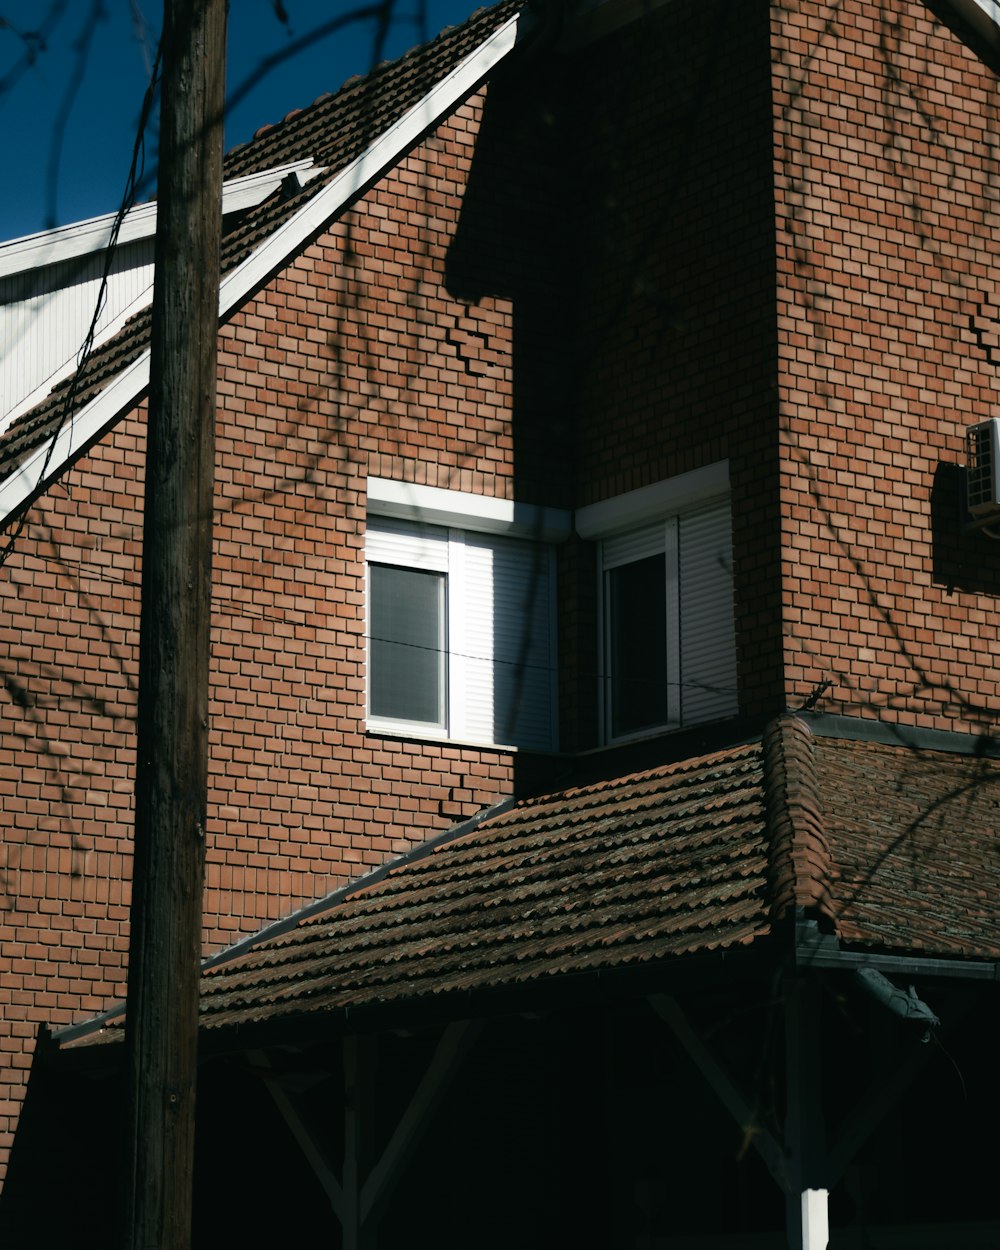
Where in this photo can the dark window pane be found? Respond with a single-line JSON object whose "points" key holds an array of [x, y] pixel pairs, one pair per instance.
{"points": [[407, 650], [637, 623]]}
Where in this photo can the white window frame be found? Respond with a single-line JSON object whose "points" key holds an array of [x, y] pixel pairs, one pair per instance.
{"points": [[428, 553], [412, 526], [628, 528]]}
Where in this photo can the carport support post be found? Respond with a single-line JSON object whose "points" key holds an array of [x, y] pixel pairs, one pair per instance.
{"points": [[806, 1203]]}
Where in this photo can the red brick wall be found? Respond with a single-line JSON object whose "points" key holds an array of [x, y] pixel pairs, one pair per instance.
{"points": [[886, 182], [354, 361], [675, 268], [674, 356], [69, 596]]}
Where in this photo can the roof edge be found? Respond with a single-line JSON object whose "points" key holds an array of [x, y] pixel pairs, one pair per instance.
{"points": [[44, 466], [801, 866], [891, 733], [71, 1032], [96, 234]]}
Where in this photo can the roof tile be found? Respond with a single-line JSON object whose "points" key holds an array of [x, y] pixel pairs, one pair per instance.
{"points": [[648, 868]]}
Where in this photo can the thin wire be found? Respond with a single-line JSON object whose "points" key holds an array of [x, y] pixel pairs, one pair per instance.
{"points": [[230, 607], [136, 168]]}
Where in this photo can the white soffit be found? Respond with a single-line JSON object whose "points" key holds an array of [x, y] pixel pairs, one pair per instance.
{"points": [[49, 247], [43, 325], [983, 16], [47, 462], [434, 506], [649, 503]]}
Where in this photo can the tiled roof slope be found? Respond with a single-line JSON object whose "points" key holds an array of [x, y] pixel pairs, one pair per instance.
{"points": [[647, 867], [915, 839], [333, 131], [895, 849]]}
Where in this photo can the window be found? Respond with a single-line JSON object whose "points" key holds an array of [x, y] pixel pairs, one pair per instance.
{"points": [[642, 691], [668, 635], [460, 633], [408, 642]]}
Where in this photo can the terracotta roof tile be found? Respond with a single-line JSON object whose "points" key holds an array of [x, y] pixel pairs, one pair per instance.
{"points": [[689, 858], [646, 868], [915, 837]]}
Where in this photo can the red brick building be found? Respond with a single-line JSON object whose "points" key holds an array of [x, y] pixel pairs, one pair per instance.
{"points": [[593, 389]]}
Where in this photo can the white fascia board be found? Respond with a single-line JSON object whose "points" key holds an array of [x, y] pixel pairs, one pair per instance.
{"points": [[81, 238], [649, 503], [983, 16], [84, 237], [252, 189], [382, 153], [254, 271], [118, 396], [482, 514]]}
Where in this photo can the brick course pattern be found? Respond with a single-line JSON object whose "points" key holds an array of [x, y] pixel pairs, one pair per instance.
{"points": [[769, 238], [354, 360], [887, 247]]}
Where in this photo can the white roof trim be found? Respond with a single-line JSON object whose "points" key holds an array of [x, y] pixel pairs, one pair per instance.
{"points": [[373, 161], [479, 513], [125, 390], [983, 16], [119, 394], [649, 503], [83, 237], [237, 194]]}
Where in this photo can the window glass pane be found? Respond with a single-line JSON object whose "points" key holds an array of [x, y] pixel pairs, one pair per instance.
{"points": [[407, 651], [637, 626]]}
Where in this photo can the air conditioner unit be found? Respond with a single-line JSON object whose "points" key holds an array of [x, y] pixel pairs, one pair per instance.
{"points": [[982, 475]]}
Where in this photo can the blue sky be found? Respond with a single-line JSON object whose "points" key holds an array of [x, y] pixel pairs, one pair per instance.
{"points": [[46, 184]]}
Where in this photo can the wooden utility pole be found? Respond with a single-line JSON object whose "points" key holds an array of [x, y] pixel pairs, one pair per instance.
{"points": [[172, 760]]}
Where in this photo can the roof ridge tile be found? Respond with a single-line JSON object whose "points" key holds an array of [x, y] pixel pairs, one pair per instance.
{"points": [[801, 871]]}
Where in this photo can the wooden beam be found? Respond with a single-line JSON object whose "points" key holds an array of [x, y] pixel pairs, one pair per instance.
{"points": [[806, 1204], [315, 1154], [356, 1060], [453, 1046], [669, 1010]]}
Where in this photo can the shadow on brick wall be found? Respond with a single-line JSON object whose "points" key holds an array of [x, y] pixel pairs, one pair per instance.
{"points": [[963, 559]]}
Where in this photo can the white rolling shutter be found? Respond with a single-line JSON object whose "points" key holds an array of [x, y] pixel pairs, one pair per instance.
{"points": [[501, 676], [634, 545], [503, 644], [707, 629], [407, 545]]}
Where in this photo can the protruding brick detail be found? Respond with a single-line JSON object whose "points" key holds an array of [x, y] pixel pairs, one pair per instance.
{"points": [[801, 869]]}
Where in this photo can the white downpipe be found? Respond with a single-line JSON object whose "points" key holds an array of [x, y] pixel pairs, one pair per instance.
{"points": [[815, 1219]]}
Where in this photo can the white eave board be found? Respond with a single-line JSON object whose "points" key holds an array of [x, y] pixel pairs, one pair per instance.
{"points": [[49, 247], [124, 391]]}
